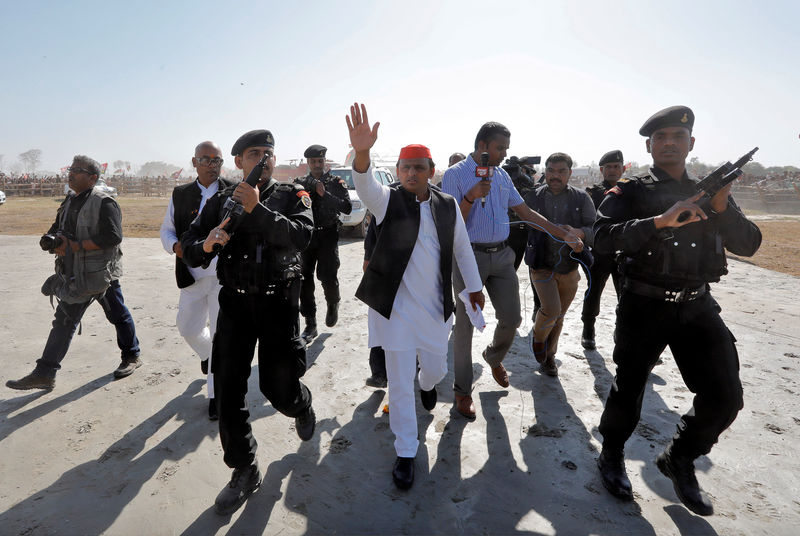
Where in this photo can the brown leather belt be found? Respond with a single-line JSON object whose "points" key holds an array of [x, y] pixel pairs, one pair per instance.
{"points": [[678, 295]]}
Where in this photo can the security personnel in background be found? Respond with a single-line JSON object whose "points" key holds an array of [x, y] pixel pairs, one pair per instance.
{"points": [[329, 198], [672, 246], [611, 167], [259, 270], [518, 232]]}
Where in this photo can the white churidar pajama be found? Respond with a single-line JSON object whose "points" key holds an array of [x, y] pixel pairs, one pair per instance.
{"points": [[417, 325], [198, 305]]}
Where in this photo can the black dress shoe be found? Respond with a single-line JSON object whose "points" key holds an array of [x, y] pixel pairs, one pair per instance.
{"points": [[612, 468], [587, 337], [32, 381], [681, 471], [428, 398], [243, 483], [305, 423], [213, 415], [403, 472], [332, 315], [204, 366], [377, 380], [310, 333]]}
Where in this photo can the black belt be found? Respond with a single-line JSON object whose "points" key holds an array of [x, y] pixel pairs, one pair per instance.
{"points": [[669, 295], [519, 225], [490, 248], [320, 228]]}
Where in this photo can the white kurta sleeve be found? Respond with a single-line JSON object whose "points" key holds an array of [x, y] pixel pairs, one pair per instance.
{"points": [[464, 256], [372, 193], [168, 233]]}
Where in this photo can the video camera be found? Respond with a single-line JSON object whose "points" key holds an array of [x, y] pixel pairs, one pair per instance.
{"points": [[51, 242], [515, 162]]}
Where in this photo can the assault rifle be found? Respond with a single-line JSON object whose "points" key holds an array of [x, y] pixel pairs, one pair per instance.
{"points": [[718, 179], [234, 210]]}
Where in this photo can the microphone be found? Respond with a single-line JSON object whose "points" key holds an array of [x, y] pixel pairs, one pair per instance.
{"points": [[482, 172]]}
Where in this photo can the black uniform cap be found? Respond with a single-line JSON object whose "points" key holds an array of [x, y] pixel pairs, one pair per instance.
{"points": [[674, 116], [611, 157], [254, 138], [315, 151]]}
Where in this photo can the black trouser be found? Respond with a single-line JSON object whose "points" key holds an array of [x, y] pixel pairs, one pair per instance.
{"points": [[706, 356], [377, 361], [517, 240], [322, 253], [602, 267], [272, 321]]}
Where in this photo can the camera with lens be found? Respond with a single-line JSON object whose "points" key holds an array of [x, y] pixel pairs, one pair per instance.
{"points": [[50, 242]]}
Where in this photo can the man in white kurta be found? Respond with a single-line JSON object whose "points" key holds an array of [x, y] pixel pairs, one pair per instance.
{"points": [[416, 327], [198, 305]]}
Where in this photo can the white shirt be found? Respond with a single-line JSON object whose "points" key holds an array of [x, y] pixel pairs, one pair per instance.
{"points": [[417, 318], [169, 235]]}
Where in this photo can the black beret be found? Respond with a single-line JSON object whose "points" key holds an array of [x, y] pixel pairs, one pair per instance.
{"points": [[254, 138], [674, 116], [611, 157], [315, 151]]}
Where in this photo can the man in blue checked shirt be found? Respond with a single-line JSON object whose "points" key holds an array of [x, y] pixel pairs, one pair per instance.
{"points": [[484, 205]]}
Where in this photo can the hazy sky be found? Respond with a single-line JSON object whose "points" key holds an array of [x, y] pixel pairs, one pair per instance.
{"points": [[142, 81]]}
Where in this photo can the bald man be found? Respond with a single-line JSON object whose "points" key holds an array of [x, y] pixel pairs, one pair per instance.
{"points": [[198, 304]]}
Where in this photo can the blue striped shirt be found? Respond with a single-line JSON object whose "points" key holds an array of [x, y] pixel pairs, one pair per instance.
{"points": [[485, 224]]}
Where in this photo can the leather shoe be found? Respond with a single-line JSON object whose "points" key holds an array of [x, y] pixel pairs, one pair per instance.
{"points": [[403, 472], [243, 483], [332, 315], [465, 406], [612, 468], [305, 423], [681, 471], [500, 375], [549, 366], [32, 381], [310, 333], [377, 380], [127, 366], [213, 415], [587, 337], [428, 398], [539, 350]]}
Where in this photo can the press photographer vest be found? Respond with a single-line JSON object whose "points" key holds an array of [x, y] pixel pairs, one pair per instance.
{"points": [[395, 243], [87, 273]]}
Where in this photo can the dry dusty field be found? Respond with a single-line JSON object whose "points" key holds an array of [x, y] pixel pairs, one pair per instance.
{"points": [[142, 216]]}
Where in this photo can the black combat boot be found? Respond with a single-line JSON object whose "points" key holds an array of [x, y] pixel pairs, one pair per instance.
{"points": [[243, 483], [310, 332], [587, 337], [305, 424], [681, 471], [332, 316], [615, 479]]}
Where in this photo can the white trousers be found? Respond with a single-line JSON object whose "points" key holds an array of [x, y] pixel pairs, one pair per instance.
{"points": [[198, 307], [400, 368]]}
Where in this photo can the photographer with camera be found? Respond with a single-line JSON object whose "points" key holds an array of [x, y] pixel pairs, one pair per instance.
{"points": [[329, 197], [85, 237], [520, 170]]}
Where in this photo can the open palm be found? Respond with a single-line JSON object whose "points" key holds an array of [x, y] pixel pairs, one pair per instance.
{"points": [[362, 137]]}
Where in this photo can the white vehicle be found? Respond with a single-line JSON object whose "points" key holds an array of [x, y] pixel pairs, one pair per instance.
{"points": [[359, 217], [105, 188], [2, 197]]}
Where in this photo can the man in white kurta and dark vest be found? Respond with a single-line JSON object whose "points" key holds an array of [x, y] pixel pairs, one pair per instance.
{"points": [[407, 283]]}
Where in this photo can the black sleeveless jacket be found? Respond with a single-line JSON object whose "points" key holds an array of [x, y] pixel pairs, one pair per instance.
{"points": [[395, 243]]}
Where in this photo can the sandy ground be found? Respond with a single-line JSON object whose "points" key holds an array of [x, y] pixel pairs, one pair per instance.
{"points": [[139, 456]]}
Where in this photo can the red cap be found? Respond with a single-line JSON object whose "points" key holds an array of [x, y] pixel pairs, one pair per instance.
{"points": [[415, 151]]}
